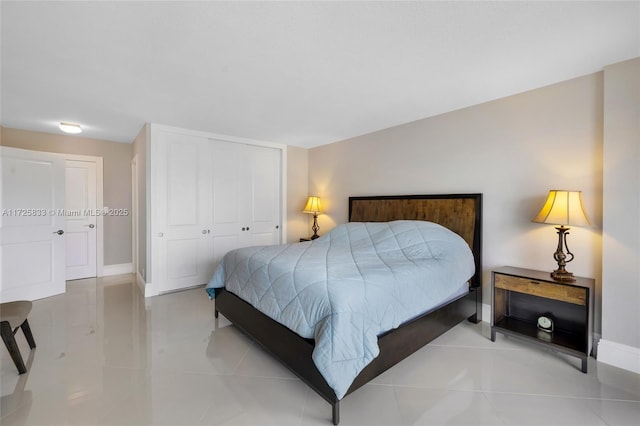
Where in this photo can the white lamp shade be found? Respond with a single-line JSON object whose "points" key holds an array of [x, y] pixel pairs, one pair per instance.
{"points": [[563, 208]]}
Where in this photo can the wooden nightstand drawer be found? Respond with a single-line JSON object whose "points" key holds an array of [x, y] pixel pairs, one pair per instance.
{"points": [[544, 289]]}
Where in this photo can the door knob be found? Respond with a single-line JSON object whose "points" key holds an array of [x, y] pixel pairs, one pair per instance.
{"points": [[91, 225], [204, 232], [59, 232], [160, 234]]}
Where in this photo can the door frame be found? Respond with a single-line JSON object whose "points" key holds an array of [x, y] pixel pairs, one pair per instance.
{"points": [[135, 216], [99, 205]]}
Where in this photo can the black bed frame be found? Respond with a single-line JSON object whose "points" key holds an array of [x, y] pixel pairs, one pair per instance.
{"points": [[295, 352]]}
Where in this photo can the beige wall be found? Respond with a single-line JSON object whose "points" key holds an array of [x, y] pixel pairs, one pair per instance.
{"points": [[117, 180], [621, 228], [513, 150], [298, 225]]}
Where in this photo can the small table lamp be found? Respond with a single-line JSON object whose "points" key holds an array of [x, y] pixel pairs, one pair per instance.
{"points": [[563, 208], [315, 208]]}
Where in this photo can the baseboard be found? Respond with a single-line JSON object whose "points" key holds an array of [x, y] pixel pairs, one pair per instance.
{"points": [[118, 269], [594, 348], [140, 282], [486, 313], [150, 290], [619, 355], [145, 288]]}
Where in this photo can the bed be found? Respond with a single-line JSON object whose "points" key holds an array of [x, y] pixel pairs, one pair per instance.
{"points": [[368, 218]]}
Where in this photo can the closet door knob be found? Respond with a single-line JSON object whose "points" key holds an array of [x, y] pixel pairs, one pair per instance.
{"points": [[243, 229], [204, 232], [59, 232]]}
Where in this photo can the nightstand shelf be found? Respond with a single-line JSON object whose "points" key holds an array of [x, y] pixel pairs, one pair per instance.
{"points": [[562, 341], [519, 296]]}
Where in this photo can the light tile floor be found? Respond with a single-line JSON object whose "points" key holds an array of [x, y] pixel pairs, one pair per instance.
{"points": [[107, 356]]}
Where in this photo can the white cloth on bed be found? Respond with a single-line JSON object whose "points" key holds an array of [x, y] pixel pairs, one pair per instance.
{"points": [[349, 286]]}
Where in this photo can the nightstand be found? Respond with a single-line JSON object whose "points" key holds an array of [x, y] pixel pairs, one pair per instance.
{"points": [[520, 296]]}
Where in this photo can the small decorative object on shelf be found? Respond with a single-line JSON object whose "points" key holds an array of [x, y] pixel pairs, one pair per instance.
{"points": [[315, 208], [530, 305], [545, 324], [563, 208]]}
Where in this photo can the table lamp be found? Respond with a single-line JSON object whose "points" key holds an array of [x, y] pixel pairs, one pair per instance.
{"points": [[563, 208], [315, 208]]}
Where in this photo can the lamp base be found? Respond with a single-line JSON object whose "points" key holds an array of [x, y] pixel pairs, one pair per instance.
{"points": [[562, 275], [315, 228]]}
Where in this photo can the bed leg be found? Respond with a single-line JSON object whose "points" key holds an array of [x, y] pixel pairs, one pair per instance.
{"points": [[335, 412], [477, 317]]}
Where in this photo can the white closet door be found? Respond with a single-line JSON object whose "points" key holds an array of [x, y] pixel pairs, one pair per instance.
{"points": [[246, 196], [183, 200], [81, 219], [208, 197], [264, 191], [229, 175], [32, 241]]}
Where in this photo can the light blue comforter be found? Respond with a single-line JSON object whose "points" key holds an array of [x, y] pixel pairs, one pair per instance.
{"points": [[349, 286]]}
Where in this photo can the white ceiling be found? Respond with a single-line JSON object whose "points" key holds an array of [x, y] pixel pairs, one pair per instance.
{"points": [[300, 73]]}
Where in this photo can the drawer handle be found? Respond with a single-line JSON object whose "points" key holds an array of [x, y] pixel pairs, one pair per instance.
{"points": [[534, 282]]}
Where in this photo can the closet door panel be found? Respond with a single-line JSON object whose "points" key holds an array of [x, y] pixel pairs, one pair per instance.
{"points": [[183, 176], [227, 168], [223, 244], [264, 189], [182, 259], [208, 197], [182, 185], [228, 196]]}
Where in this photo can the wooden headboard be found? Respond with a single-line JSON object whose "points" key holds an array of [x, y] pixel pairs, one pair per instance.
{"points": [[462, 213]]}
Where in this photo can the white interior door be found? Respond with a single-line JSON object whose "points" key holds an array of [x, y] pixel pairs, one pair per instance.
{"points": [[80, 219], [264, 189], [229, 195], [32, 242], [181, 232], [246, 196]]}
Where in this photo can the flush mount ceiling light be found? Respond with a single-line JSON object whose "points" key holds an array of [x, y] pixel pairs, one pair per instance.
{"points": [[70, 127]]}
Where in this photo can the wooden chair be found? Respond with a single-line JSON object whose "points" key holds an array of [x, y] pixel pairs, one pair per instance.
{"points": [[13, 315]]}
